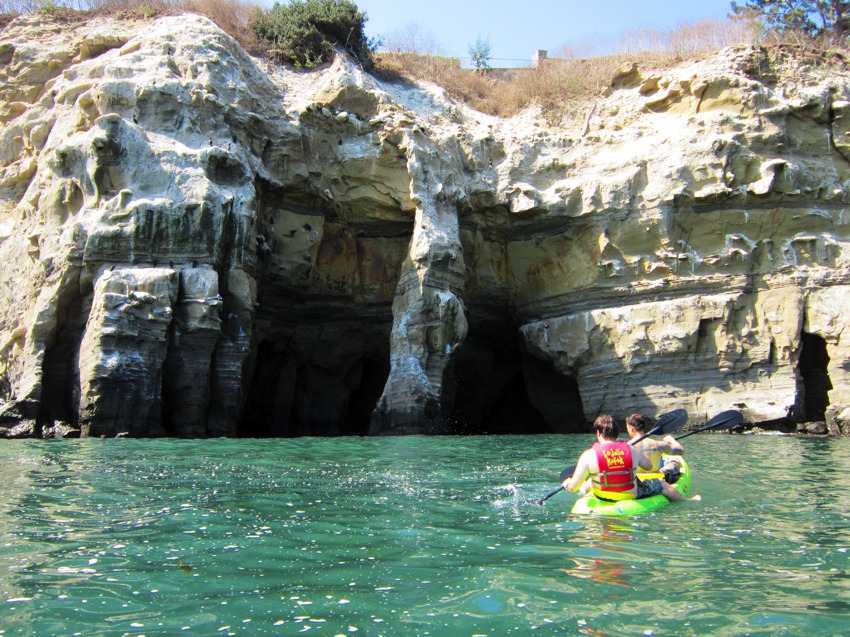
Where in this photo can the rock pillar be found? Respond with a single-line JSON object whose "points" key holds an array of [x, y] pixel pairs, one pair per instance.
{"points": [[429, 321], [123, 352]]}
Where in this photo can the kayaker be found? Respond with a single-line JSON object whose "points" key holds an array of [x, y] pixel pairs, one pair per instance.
{"points": [[655, 450], [612, 467]]}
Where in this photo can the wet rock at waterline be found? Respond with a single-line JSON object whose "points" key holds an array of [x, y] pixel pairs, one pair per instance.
{"points": [[195, 243]]}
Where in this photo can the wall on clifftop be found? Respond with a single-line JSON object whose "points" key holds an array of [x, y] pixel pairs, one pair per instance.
{"points": [[194, 243]]}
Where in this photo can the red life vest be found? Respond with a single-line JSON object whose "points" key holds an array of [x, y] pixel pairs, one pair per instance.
{"points": [[616, 477]]}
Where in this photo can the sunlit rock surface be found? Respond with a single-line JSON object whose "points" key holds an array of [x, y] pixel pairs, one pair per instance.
{"points": [[196, 243]]}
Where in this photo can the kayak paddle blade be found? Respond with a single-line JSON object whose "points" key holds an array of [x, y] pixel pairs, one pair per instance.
{"points": [[568, 473], [724, 420], [670, 422]]}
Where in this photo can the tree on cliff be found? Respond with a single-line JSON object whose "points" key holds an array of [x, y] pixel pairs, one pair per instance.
{"points": [[304, 32], [819, 18], [480, 53]]}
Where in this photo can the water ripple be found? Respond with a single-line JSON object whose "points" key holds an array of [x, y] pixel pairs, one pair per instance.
{"points": [[413, 536]]}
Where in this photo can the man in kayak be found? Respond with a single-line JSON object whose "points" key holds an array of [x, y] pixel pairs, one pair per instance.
{"points": [[655, 450], [612, 467]]}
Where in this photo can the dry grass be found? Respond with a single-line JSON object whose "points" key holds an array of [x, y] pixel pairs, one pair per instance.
{"points": [[462, 84], [562, 87], [694, 37], [234, 17]]}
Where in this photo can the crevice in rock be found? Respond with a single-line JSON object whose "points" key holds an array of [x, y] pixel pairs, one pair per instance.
{"points": [[816, 383], [109, 173], [773, 354], [705, 347], [60, 385], [225, 169], [7, 52]]}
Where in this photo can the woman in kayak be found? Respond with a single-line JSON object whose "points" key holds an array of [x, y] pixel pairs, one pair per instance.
{"points": [[612, 468]]}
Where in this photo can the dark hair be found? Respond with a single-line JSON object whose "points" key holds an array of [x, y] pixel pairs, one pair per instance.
{"points": [[606, 426], [637, 421]]}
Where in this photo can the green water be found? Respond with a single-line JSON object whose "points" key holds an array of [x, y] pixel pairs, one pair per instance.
{"points": [[413, 536]]}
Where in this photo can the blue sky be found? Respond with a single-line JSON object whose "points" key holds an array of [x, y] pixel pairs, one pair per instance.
{"points": [[515, 29]]}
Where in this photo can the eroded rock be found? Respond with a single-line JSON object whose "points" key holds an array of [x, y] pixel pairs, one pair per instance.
{"points": [[195, 243]]}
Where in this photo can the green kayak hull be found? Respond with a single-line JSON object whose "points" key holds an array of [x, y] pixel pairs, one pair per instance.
{"points": [[591, 505]]}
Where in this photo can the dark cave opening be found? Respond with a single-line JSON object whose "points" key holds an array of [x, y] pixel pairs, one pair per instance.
{"points": [[326, 379], [497, 388], [60, 373], [813, 364], [315, 386], [59, 381]]}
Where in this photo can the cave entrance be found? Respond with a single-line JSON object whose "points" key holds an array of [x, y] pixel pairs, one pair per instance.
{"points": [[316, 382], [812, 366], [497, 388], [60, 374]]}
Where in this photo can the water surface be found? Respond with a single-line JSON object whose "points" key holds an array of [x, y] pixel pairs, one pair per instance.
{"points": [[413, 536]]}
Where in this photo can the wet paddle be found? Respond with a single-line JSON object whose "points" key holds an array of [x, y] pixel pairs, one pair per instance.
{"points": [[666, 424], [724, 420]]}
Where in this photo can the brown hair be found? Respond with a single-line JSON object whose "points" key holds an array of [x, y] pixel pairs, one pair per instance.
{"points": [[606, 426], [637, 421]]}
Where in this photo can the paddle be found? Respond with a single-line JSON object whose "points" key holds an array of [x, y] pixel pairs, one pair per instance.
{"points": [[724, 420], [666, 424]]}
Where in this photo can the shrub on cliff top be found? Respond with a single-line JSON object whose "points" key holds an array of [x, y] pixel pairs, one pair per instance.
{"points": [[304, 32]]}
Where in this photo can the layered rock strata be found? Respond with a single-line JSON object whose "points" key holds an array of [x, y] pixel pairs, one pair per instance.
{"points": [[195, 243]]}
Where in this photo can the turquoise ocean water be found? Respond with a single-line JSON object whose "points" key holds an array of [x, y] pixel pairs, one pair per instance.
{"points": [[414, 536]]}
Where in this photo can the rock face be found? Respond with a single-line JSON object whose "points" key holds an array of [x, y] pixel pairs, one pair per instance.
{"points": [[196, 244]]}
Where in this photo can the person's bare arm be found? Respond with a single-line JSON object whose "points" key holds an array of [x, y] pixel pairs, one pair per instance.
{"points": [[672, 446], [643, 460], [574, 482]]}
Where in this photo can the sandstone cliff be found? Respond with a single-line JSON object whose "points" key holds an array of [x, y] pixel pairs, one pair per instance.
{"points": [[195, 243]]}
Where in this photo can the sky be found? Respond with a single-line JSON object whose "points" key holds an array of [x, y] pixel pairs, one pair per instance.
{"points": [[517, 28]]}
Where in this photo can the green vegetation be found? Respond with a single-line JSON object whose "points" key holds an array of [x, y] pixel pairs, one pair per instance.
{"points": [[304, 32], [480, 53], [811, 18]]}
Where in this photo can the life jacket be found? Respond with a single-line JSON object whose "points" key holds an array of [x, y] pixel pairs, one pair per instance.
{"points": [[616, 477]]}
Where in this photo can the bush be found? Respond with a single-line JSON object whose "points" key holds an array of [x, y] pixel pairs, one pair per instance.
{"points": [[304, 32]]}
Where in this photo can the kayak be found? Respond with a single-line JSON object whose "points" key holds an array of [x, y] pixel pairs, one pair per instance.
{"points": [[591, 505]]}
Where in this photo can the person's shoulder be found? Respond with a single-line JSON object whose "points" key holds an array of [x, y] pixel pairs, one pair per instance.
{"points": [[588, 456]]}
